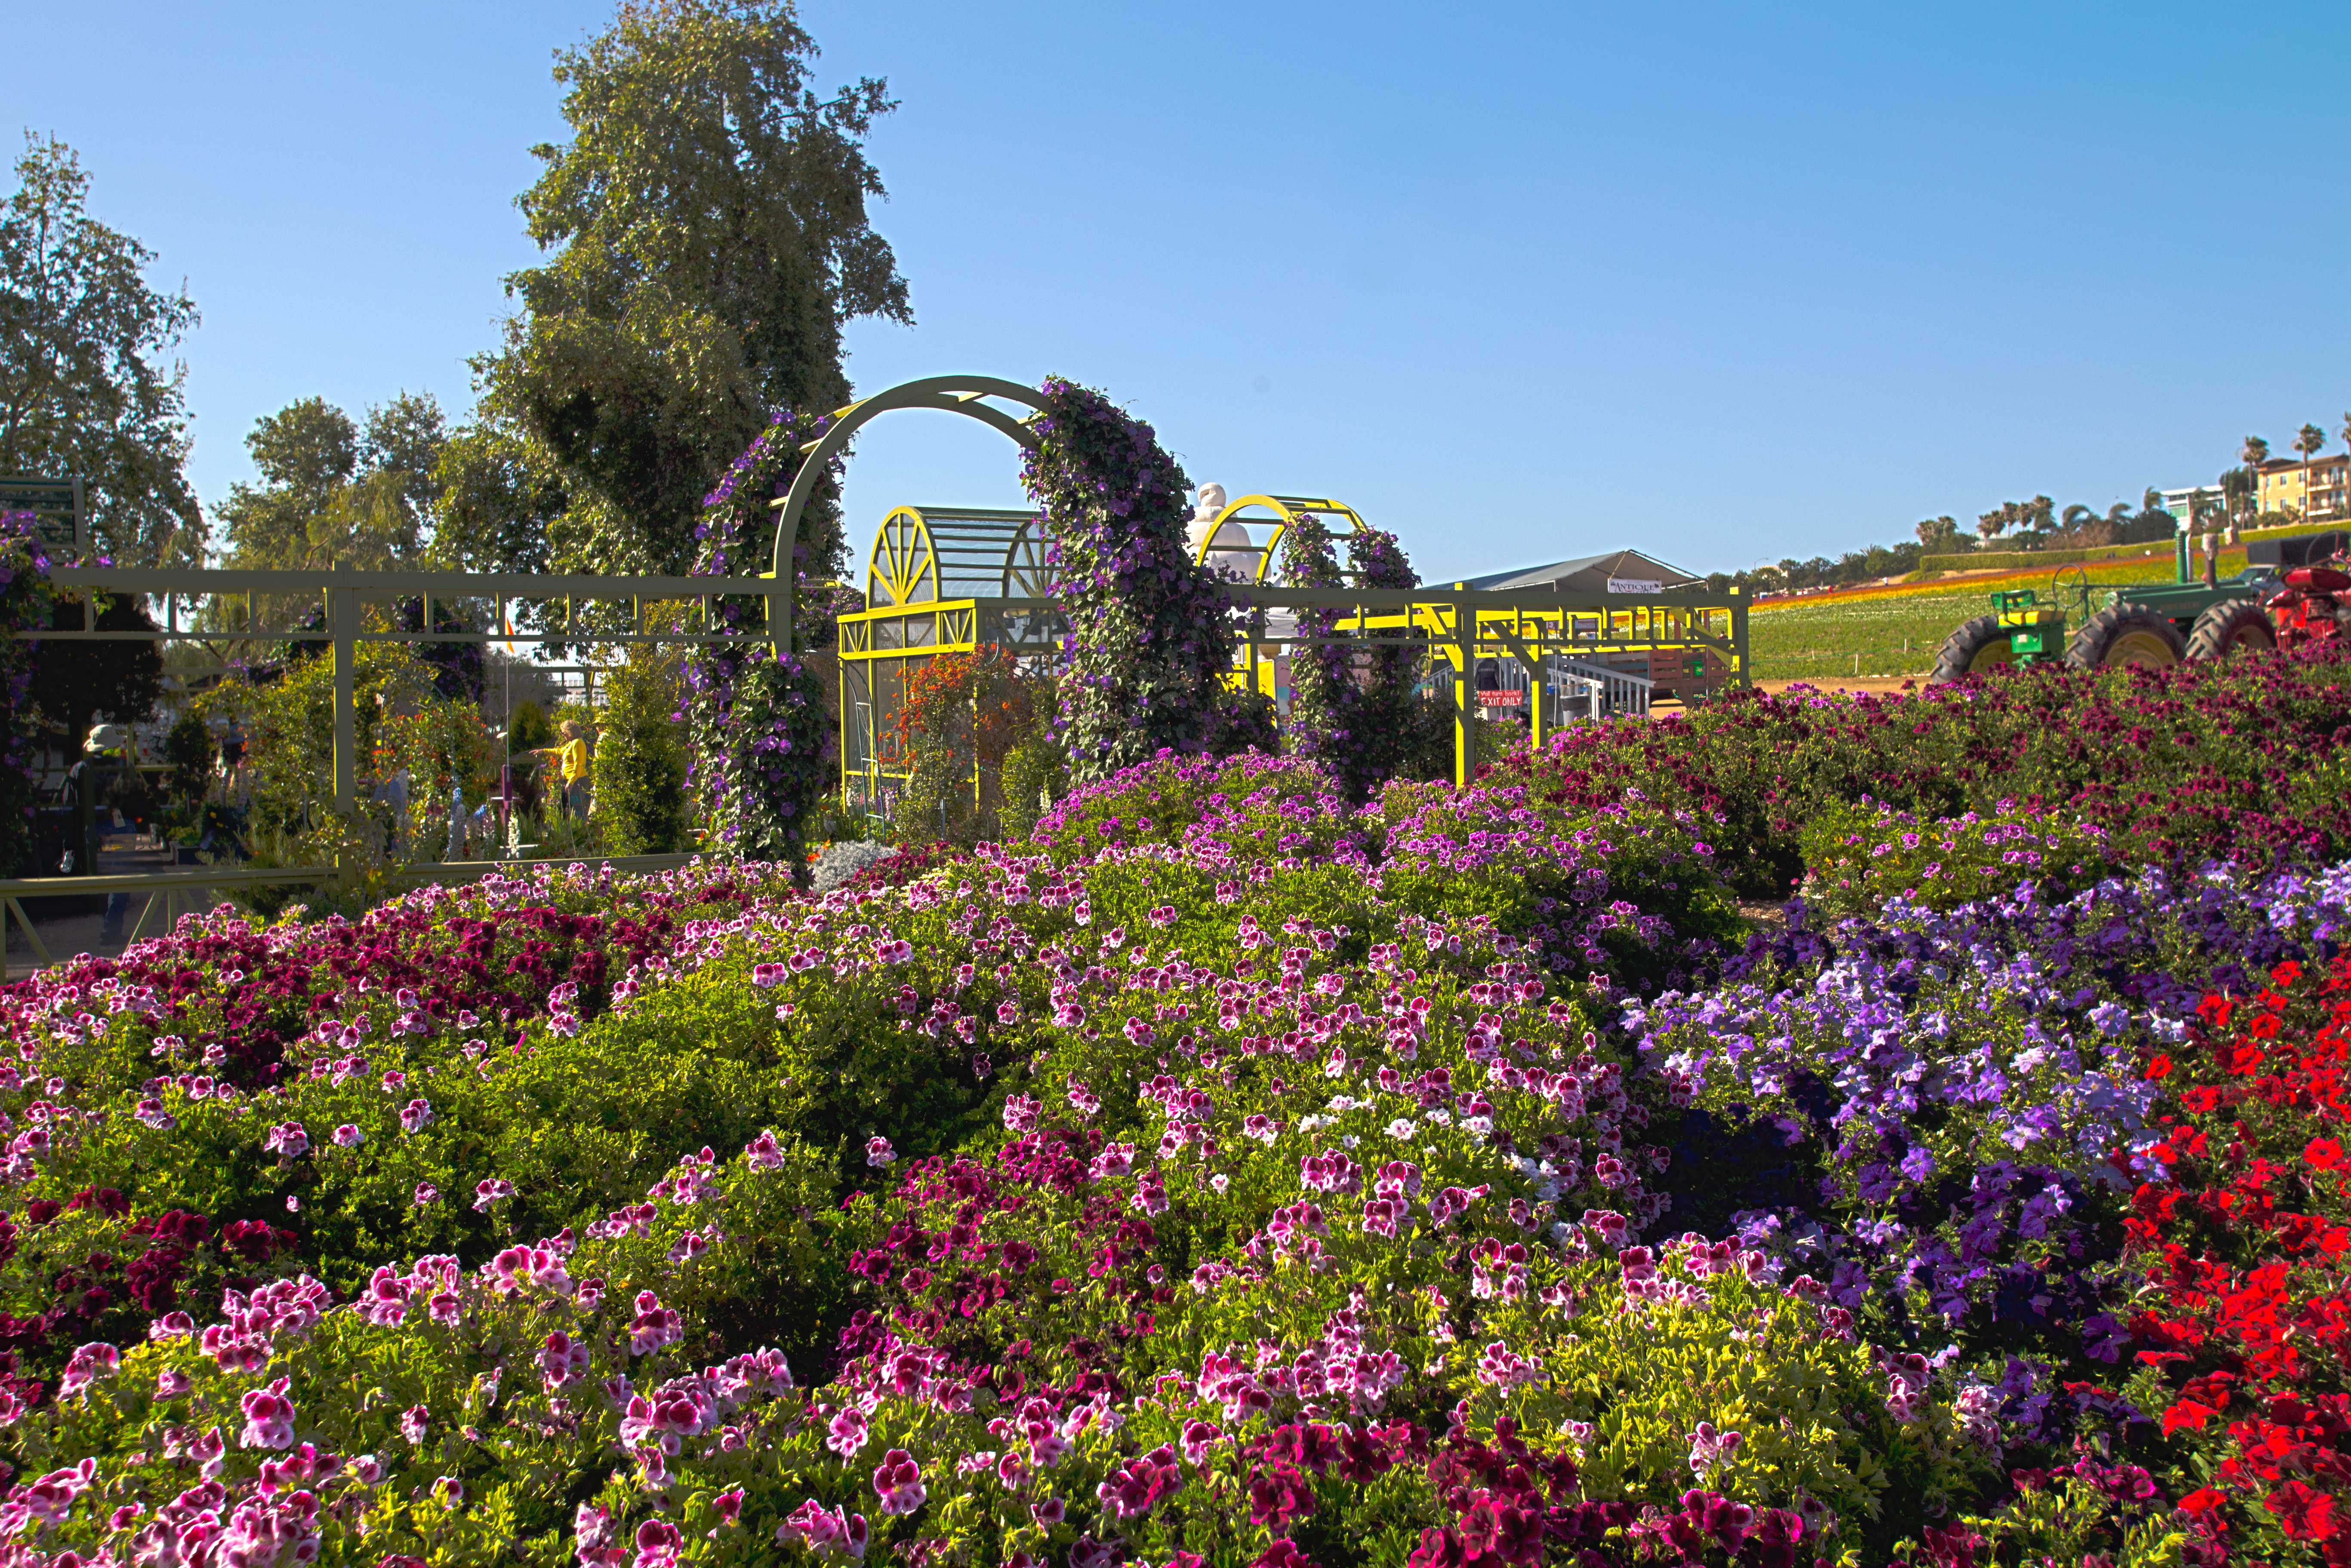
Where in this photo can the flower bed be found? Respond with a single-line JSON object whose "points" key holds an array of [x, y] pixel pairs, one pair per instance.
{"points": [[1227, 1175]]}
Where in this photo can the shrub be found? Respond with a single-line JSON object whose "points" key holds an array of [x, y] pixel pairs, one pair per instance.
{"points": [[2200, 760], [640, 757], [1858, 858]]}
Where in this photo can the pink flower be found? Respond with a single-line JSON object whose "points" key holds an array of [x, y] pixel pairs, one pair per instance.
{"points": [[1021, 1113], [898, 1482], [417, 1115], [288, 1140], [657, 1544], [878, 1151], [90, 1363], [845, 1435], [824, 1529], [348, 1137], [414, 1422], [494, 1191], [654, 1326], [764, 1153], [172, 1384], [562, 1360], [425, 1193], [268, 1418], [1083, 1099]]}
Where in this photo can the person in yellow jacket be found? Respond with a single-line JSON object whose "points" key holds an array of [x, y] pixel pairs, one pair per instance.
{"points": [[571, 757]]}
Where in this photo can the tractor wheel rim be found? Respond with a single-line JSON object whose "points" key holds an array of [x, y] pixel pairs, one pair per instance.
{"points": [[2141, 648], [1992, 656]]}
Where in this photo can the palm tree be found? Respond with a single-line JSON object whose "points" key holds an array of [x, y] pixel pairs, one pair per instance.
{"points": [[2255, 452], [2238, 487], [2309, 440], [1990, 523]]}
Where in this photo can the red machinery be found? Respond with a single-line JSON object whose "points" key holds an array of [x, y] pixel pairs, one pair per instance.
{"points": [[2312, 607]]}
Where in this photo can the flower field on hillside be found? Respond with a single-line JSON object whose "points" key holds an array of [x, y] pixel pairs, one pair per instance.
{"points": [[1231, 1175]]}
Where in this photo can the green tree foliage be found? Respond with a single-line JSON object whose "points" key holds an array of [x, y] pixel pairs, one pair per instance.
{"points": [[331, 493], [496, 499], [87, 388], [708, 231], [640, 757]]}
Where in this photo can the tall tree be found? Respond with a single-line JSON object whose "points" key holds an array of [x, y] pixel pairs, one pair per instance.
{"points": [[2310, 441], [88, 388], [331, 494], [2239, 488], [709, 233], [405, 436]]}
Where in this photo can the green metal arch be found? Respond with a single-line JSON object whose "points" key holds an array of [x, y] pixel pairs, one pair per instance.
{"points": [[950, 394]]}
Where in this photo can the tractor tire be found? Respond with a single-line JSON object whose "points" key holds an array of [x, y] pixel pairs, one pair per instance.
{"points": [[1976, 646], [2230, 626], [2125, 636]]}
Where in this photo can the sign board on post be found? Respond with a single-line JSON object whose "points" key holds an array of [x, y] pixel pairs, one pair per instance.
{"points": [[1635, 585], [1501, 699]]}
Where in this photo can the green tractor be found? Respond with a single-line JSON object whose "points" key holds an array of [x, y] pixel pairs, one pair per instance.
{"points": [[2135, 624]]}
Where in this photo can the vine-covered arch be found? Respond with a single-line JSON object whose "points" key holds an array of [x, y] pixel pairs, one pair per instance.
{"points": [[966, 395]]}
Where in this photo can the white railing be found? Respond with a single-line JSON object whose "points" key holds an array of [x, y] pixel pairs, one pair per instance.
{"points": [[1612, 691]]}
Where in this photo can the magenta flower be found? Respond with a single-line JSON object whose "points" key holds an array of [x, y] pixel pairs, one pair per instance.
{"points": [[414, 1422], [89, 1362], [495, 1189], [347, 1136], [288, 1140], [417, 1115], [878, 1151], [426, 1193], [846, 1433], [268, 1418], [898, 1482]]}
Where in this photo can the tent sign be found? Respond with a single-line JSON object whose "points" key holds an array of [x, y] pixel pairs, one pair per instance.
{"points": [[1635, 585], [1502, 699]]}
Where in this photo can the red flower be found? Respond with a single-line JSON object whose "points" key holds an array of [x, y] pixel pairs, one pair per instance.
{"points": [[2325, 1153], [2158, 1067], [2302, 1514], [2202, 1501], [2187, 1413]]}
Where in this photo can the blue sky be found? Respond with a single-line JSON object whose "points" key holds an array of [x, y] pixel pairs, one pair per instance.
{"points": [[1520, 282]]}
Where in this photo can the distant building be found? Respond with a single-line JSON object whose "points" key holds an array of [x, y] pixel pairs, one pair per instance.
{"points": [[2204, 498], [2317, 494], [1619, 572]]}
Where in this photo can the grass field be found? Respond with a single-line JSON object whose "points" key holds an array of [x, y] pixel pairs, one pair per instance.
{"points": [[1897, 633]]}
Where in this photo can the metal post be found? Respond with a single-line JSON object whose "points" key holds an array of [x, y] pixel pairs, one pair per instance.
{"points": [[1465, 669], [1535, 688], [342, 619]]}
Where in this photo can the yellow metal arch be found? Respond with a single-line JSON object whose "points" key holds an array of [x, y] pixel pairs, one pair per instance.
{"points": [[901, 568], [1287, 511]]}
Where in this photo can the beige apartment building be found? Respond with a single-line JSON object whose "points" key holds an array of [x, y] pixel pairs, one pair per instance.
{"points": [[2324, 501]]}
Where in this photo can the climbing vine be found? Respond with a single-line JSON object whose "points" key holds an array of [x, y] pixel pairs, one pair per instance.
{"points": [[1148, 641], [1323, 694], [763, 744], [1351, 705]]}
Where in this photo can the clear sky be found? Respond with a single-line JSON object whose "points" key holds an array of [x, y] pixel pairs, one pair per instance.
{"points": [[1520, 282]]}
